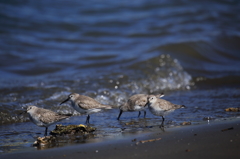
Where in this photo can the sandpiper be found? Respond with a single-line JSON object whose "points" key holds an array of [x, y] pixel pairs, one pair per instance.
{"points": [[85, 105], [44, 117], [161, 107], [137, 102]]}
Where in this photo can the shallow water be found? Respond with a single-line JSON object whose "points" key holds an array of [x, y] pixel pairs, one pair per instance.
{"points": [[110, 50]]}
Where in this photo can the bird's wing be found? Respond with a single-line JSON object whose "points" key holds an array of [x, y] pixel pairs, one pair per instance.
{"points": [[138, 99], [141, 102], [49, 116], [165, 105], [89, 103]]}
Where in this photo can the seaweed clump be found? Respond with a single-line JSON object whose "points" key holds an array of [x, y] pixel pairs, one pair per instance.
{"points": [[232, 109], [72, 129], [62, 135]]}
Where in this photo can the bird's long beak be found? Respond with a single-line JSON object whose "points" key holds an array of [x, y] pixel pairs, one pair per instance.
{"points": [[65, 101], [147, 104], [23, 112]]}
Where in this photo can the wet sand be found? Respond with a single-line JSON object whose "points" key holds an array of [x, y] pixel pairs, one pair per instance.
{"points": [[218, 139]]}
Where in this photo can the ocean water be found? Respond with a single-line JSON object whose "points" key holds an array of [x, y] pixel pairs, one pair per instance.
{"points": [[110, 50]]}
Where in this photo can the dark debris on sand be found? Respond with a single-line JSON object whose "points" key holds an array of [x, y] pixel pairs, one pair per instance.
{"points": [[65, 134]]}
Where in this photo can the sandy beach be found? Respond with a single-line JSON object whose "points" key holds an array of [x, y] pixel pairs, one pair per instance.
{"points": [[217, 139]]}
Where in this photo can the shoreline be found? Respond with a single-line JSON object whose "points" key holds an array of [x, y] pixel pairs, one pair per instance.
{"points": [[219, 139]]}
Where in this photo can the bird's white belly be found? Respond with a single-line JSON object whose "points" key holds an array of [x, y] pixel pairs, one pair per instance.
{"points": [[89, 111], [79, 109], [156, 111], [159, 111], [36, 121], [84, 111], [138, 108]]}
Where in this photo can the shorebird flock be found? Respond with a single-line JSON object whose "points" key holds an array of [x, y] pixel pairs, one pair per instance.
{"points": [[87, 105]]}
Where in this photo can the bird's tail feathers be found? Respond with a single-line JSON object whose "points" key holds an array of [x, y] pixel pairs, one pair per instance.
{"points": [[107, 107], [160, 95], [183, 106]]}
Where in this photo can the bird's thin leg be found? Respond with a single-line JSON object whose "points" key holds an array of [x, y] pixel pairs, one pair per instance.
{"points": [[120, 113], [87, 120], [145, 113], [46, 131], [139, 114], [162, 124]]}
